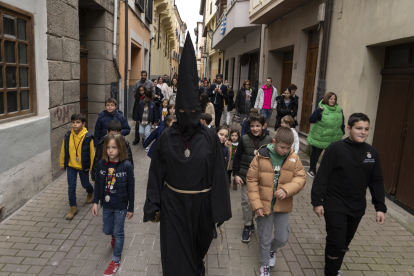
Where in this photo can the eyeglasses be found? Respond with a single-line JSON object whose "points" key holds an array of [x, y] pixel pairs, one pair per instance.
{"points": [[247, 84]]}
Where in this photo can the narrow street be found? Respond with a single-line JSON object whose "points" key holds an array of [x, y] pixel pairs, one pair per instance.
{"points": [[38, 240]]}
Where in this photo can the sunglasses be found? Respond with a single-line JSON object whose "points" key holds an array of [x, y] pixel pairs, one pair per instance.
{"points": [[247, 84]]}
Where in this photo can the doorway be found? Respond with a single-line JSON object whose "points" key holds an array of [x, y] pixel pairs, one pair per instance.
{"points": [[309, 85], [254, 71], [398, 129], [287, 67]]}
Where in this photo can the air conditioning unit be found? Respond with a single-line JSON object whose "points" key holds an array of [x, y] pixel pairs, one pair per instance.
{"points": [[321, 13]]}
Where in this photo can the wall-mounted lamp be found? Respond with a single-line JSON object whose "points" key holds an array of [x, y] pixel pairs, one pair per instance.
{"points": [[210, 33]]}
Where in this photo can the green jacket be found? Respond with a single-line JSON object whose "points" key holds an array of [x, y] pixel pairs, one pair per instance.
{"points": [[328, 129]]}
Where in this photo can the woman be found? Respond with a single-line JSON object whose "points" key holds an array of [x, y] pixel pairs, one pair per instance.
{"points": [[328, 120], [172, 91], [207, 107], [163, 86], [138, 97], [286, 105], [243, 102]]}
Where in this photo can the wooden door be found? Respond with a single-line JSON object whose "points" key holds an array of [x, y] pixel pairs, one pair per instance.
{"points": [[390, 128], [287, 67], [84, 85], [254, 71], [309, 85]]}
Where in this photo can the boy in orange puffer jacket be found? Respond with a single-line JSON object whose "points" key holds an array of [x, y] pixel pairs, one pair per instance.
{"points": [[276, 174]]}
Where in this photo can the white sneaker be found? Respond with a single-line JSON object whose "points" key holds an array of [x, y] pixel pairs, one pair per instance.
{"points": [[152, 126], [339, 273], [272, 260], [146, 149], [264, 271]]}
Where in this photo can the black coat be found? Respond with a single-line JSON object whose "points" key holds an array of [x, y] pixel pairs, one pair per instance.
{"points": [[240, 102], [139, 111], [230, 102], [158, 100], [283, 110], [219, 97]]}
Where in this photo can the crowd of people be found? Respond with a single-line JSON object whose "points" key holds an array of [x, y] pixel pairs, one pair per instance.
{"points": [[194, 158]]}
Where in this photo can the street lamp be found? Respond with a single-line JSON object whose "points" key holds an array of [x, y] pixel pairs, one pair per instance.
{"points": [[210, 33]]}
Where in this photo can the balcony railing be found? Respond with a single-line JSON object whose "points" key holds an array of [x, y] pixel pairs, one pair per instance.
{"points": [[203, 52]]}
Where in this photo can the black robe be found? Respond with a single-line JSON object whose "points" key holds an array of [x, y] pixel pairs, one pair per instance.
{"points": [[187, 220]]}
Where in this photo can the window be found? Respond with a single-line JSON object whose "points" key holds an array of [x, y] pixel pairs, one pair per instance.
{"points": [[211, 6], [219, 69], [399, 56], [140, 4], [16, 76], [149, 10]]}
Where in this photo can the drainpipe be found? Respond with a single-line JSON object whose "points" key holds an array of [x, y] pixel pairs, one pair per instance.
{"points": [[321, 88], [126, 62], [114, 46]]}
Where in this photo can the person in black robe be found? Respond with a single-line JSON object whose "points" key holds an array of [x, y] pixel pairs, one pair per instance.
{"points": [[187, 182]]}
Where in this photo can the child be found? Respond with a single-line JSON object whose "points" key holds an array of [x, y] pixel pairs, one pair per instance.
{"points": [[232, 147], [171, 109], [164, 110], [114, 187], [111, 113], [287, 121], [206, 119], [347, 169], [114, 127], [156, 133], [276, 174], [246, 150], [138, 97], [223, 135], [76, 156], [246, 125], [146, 114]]}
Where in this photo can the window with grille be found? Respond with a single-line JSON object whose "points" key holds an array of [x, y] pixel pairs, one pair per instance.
{"points": [[16, 76]]}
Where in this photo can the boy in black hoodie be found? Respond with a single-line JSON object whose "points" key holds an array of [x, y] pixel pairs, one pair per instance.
{"points": [[348, 167]]}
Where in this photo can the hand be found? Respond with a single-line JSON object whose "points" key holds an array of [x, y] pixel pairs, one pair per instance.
{"points": [[215, 89], [156, 96], [95, 210], [220, 92], [321, 107], [238, 180], [280, 194], [380, 218], [259, 212], [157, 217], [319, 211], [129, 215], [62, 168], [291, 111], [135, 123], [273, 109]]}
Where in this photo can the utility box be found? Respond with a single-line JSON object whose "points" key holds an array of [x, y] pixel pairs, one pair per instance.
{"points": [[321, 13]]}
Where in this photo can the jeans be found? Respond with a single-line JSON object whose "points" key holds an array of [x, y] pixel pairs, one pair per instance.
{"points": [[340, 230], [266, 113], [84, 178], [144, 131], [218, 112], [113, 224], [264, 229], [315, 153]]}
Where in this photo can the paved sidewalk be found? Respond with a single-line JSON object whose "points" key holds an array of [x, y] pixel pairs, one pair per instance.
{"points": [[38, 240]]}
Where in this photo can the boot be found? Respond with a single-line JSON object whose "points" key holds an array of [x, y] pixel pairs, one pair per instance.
{"points": [[89, 198], [234, 185], [72, 213]]}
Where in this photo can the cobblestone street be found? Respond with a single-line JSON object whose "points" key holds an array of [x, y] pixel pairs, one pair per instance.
{"points": [[38, 240]]}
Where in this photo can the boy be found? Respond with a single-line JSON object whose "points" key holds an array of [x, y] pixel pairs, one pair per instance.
{"points": [[247, 149], [245, 125], [111, 113], [206, 119], [276, 170], [76, 156], [347, 168], [114, 127], [146, 114]]}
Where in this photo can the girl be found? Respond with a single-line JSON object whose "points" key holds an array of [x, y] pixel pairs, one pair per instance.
{"points": [[114, 187], [223, 135], [164, 110], [232, 147], [286, 105], [288, 121], [171, 110], [207, 107], [172, 91], [168, 121], [138, 97]]}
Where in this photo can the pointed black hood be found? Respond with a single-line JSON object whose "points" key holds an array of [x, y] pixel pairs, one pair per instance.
{"points": [[188, 95]]}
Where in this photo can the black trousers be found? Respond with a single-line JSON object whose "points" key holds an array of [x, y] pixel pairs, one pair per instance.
{"points": [[218, 112], [315, 153], [340, 230], [136, 133], [229, 173]]}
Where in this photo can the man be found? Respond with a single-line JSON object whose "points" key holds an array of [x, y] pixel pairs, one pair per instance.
{"points": [[347, 169], [266, 99], [187, 188], [218, 93], [293, 89], [166, 79], [203, 88]]}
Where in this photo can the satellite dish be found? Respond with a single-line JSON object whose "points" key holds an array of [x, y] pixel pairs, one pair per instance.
{"points": [[244, 59]]}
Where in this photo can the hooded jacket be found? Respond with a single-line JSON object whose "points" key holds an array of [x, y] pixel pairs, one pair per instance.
{"points": [[101, 127], [260, 181], [152, 112], [86, 152], [260, 98], [283, 110]]}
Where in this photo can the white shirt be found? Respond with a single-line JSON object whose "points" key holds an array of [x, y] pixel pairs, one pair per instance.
{"points": [[295, 145]]}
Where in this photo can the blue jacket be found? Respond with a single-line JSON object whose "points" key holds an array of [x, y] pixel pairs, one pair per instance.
{"points": [[101, 127], [85, 154], [124, 185], [152, 112], [220, 103], [153, 136], [245, 127]]}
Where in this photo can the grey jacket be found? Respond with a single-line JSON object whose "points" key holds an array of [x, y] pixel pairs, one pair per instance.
{"points": [[260, 99], [148, 84]]}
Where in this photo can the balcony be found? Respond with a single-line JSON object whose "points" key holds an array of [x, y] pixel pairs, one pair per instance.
{"points": [[203, 52], [237, 24], [266, 11]]}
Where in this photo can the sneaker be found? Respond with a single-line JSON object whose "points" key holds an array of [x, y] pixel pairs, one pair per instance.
{"points": [[112, 269], [113, 242], [264, 271], [252, 229], [146, 149], [272, 260], [152, 126], [246, 234], [339, 273], [311, 174]]}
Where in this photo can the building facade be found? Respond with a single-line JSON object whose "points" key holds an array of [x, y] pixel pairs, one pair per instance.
{"points": [[200, 44], [58, 59]]}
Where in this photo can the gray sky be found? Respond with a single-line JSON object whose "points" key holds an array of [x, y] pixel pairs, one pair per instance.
{"points": [[190, 14]]}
